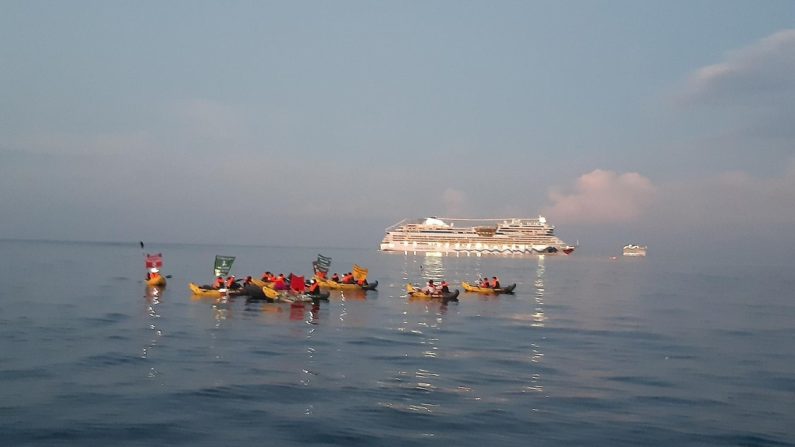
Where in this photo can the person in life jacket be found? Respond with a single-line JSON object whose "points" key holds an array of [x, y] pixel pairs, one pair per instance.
{"points": [[430, 288], [267, 277], [279, 282], [484, 282], [314, 288], [445, 287], [348, 278], [335, 277], [230, 282], [495, 283], [362, 282], [247, 281], [218, 283]]}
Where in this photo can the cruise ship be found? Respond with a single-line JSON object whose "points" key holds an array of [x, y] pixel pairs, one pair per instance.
{"points": [[512, 236], [634, 250]]}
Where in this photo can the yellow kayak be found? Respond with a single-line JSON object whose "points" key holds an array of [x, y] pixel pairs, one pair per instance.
{"points": [[487, 290], [207, 293], [419, 294], [334, 285], [260, 283], [159, 281], [287, 296]]}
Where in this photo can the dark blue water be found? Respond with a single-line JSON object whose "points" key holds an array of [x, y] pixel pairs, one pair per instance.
{"points": [[589, 351]]}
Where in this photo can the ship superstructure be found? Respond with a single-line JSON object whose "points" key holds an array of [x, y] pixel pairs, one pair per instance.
{"points": [[511, 236], [634, 250]]}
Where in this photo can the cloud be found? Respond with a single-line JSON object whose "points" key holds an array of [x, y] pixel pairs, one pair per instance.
{"points": [[760, 74], [602, 197], [730, 199]]}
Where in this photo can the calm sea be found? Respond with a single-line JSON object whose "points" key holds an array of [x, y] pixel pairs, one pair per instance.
{"points": [[589, 351]]}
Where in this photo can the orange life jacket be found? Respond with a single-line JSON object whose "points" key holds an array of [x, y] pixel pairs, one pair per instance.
{"points": [[230, 282], [314, 288], [219, 283]]}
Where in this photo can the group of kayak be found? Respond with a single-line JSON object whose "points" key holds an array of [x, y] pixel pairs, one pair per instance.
{"points": [[443, 292], [277, 288]]}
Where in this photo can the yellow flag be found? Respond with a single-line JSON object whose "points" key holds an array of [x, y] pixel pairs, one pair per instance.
{"points": [[359, 272]]}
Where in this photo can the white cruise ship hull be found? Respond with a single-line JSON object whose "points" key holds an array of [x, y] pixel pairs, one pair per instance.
{"points": [[506, 237]]}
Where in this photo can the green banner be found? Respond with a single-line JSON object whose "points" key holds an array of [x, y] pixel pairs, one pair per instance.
{"points": [[223, 264], [322, 264]]}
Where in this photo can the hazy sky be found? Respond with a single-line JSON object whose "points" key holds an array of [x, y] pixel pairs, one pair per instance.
{"points": [[323, 122]]}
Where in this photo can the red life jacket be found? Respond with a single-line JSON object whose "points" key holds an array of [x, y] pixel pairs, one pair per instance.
{"points": [[314, 288]]}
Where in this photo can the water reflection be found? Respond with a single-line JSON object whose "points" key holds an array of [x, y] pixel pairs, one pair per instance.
{"points": [[538, 318], [152, 296], [423, 321], [538, 315], [422, 268]]}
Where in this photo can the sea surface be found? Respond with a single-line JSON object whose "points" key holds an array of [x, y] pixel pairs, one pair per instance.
{"points": [[589, 351]]}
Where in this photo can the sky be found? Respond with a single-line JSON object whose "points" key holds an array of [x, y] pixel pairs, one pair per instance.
{"points": [[320, 123]]}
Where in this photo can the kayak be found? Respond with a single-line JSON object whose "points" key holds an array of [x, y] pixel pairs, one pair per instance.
{"points": [[159, 281], [207, 293], [419, 294], [254, 292], [329, 284], [487, 290], [287, 296], [260, 283], [213, 293]]}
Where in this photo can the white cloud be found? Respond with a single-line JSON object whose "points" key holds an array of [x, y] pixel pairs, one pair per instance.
{"points": [[759, 74], [602, 197]]}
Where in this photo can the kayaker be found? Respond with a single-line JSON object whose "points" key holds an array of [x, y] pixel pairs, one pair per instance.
{"points": [[430, 288], [445, 289], [484, 282], [314, 288], [495, 283], [230, 282], [279, 283], [218, 283], [267, 277], [247, 281], [348, 278], [335, 277]]}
